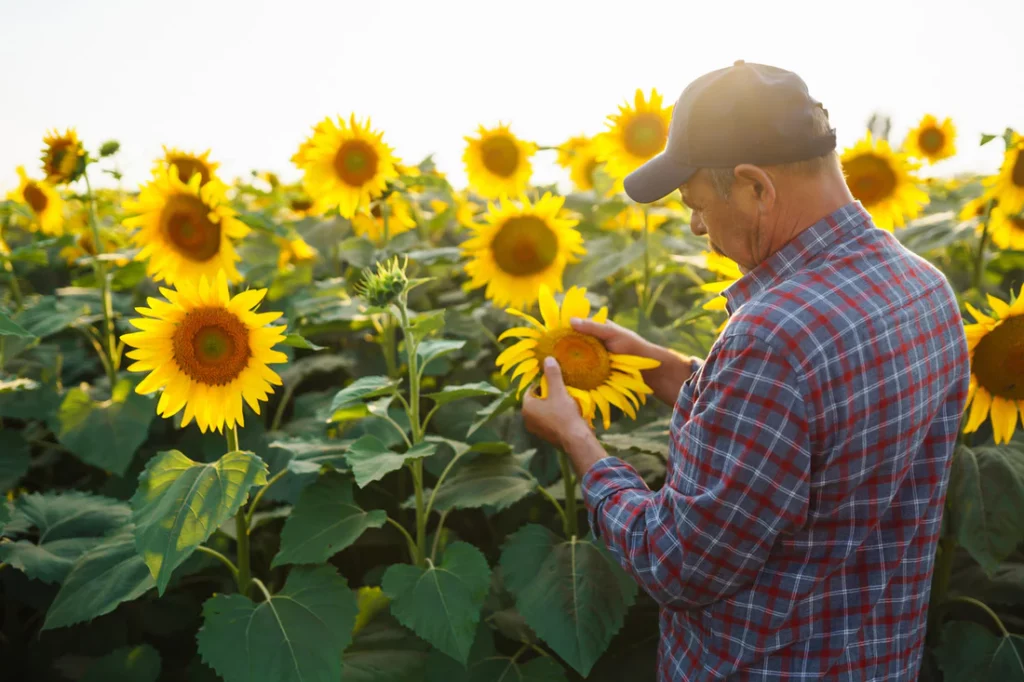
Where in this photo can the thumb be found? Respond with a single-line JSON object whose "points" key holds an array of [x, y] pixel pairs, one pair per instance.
{"points": [[553, 373]]}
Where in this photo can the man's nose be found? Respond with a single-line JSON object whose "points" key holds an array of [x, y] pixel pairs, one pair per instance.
{"points": [[697, 225]]}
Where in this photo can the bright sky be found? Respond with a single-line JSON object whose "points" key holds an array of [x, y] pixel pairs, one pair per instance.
{"points": [[247, 79]]}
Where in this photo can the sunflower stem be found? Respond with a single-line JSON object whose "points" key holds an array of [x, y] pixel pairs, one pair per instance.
{"points": [[384, 217], [221, 558], [100, 268], [569, 520], [979, 261], [15, 287], [645, 293], [551, 498], [417, 430], [244, 577]]}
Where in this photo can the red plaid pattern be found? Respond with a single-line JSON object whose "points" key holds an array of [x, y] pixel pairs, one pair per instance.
{"points": [[795, 533]]}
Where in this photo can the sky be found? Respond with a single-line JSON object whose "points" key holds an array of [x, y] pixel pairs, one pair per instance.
{"points": [[248, 79]]}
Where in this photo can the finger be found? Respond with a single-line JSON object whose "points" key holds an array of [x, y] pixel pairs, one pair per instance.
{"points": [[603, 331], [553, 373]]}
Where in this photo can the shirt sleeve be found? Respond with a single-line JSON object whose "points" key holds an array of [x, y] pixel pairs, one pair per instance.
{"points": [[739, 478]]}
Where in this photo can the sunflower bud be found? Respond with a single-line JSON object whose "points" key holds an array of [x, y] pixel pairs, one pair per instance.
{"points": [[386, 285], [109, 148]]}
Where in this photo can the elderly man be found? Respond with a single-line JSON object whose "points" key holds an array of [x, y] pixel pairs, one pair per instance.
{"points": [[809, 453]]}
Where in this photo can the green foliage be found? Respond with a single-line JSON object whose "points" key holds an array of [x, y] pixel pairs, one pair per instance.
{"points": [[14, 458], [295, 635], [9, 327], [970, 653], [488, 481], [127, 664], [360, 389], [371, 459]]}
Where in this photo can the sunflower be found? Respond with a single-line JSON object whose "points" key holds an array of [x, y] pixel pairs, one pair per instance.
{"points": [[44, 201], [931, 140], [583, 169], [497, 162], [1008, 184], [1006, 231], [996, 344], [63, 157], [186, 229], [593, 376], [207, 350], [637, 134], [84, 245], [294, 250], [518, 248], [728, 272], [369, 222], [567, 150], [632, 218], [189, 164], [883, 181], [977, 207], [345, 165]]}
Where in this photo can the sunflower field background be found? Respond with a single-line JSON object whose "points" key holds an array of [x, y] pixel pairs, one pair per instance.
{"points": [[259, 431]]}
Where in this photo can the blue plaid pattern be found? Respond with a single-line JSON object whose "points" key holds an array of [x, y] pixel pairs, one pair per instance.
{"points": [[807, 468]]}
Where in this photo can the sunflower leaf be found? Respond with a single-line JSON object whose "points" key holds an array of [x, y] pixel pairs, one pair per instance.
{"points": [[986, 138], [371, 459], [14, 458], [452, 393], [384, 651], [296, 635], [9, 328], [425, 323], [180, 503], [442, 603], [298, 341], [571, 592], [501, 404], [358, 390], [435, 348], [129, 664], [325, 521], [970, 652], [488, 481]]}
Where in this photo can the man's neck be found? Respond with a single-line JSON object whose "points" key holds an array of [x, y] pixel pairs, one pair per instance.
{"points": [[804, 203]]}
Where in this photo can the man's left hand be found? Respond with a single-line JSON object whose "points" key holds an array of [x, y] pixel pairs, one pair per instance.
{"points": [[557, 417]]}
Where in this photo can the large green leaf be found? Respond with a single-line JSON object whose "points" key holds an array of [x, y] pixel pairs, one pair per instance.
{"points": [[500, 404], [371, 459], [66, 526], [384, 651], [179, 503], [435, 348], [14, 458], [298, 635], [970, 653], [986, 495], [325, 521], [106, 433], [5, 514], [489, 480], [108, 574], [487, 665], [571, 592], [308, 455], [9, 328], [364, 387], [128, 664], [441, 603], [452, 393]]}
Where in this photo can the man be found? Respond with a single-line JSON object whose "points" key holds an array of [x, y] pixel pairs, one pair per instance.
{"points": [[794, 536]]}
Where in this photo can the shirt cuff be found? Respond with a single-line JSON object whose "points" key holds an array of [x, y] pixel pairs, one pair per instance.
{"points": [[608, 476]]}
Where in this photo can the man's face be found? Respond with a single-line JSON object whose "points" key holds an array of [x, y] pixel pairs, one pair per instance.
{"points": [[729, 223]]}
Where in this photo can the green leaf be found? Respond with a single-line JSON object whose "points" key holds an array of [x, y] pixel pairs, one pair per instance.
{"points": [[370, 601], [986, 138], [489, 480], [325, 521], [571, 592], [986, 494], [358, 251], [487, 665], [9, 328], [384, 651], [128, 664], [297, 341], [371, 459], [452, 393], [67, 524], [107, 433], [428, 256], [442, 603], [632, 441], [298, 635], [309, 456], [108, 574], [493, 409], [606, 256], [435, 348], [179, 503], [358, 390], [970, 653], [14, 458], [426, 323], [5, 514]]}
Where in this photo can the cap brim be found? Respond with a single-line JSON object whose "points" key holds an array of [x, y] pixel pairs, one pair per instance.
{"points": [[656, 179]]}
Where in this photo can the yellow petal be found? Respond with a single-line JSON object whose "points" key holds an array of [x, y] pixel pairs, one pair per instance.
{"points": [[526, 366], [978, 315], [522, 332], [606, 410], [548, 307], [717, 304], [246, 300], [1004, 419], [602, 315], [575, 304], [979, 410], [634, 361], [529, 318], [518, 350], [1001, 308]]}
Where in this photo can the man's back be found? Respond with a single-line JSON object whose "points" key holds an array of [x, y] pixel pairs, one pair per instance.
{"points": [[875, 337]]}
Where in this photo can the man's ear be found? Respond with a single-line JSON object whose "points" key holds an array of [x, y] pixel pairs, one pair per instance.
{"points": [[754, 186]]}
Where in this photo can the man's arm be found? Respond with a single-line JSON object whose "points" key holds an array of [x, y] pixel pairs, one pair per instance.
{"points": [[748, 436]]}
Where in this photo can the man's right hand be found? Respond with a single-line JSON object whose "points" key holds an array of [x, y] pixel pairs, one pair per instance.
{"points": [[665, 380]]}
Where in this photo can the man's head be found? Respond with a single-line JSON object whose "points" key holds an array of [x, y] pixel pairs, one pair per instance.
{"points": [[754, 157]]}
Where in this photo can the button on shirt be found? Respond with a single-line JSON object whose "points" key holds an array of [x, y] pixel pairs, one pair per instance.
{"points": [[794, 536]]}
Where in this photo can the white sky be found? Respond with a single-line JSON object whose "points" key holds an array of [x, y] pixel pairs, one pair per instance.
{"points": [[248, 79]]}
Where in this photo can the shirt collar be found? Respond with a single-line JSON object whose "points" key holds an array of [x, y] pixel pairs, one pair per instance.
{"points": [[797, 252]]}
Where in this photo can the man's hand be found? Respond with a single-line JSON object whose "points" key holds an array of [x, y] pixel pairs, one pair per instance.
{"points": [[665, 380]]}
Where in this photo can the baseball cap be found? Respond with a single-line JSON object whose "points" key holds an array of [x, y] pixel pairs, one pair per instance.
{"points": [[744, 113]]}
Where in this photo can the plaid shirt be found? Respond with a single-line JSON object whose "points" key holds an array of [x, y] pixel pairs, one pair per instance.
{"points": [[795, 533]]}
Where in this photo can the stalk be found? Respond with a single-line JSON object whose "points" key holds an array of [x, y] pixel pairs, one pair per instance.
{"points": [[569, 521], [15, 287], [244, 577], [417, 433], [979, 261], [645, 295], [100, 268]]}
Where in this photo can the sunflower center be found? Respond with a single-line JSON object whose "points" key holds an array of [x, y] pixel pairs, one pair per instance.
{"points": [[524, 245], [186, 223], [584, 360], [931, 140], [56, 154], [211, 346], [85, 243], [1018, 169], [998, 361], [645, 135], [500, 156], [35, 197], [301, 204], [591, 169], [355, 163], [870, 177], [188, 167]]}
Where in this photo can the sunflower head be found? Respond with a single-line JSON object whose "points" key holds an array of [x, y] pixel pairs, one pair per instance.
{"points": [[931, 140], [294, 250], [43, 200], [1008, 184], [1005, 230], [207, 350], [186, 230], [594, 376], [63, 157], [519, 247], [567, 150], [345, 164], [386, 285], [636, 134], [189, 164], [883, 181], [369, 221], [586, 170], [497, 162], [996, 344]]}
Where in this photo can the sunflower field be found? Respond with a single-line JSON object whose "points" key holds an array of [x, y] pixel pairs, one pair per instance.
{"points": [[260, 431]]}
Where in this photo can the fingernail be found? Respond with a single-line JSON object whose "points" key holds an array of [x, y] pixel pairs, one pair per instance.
{"points": [[550, 362], [574, 320]]}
